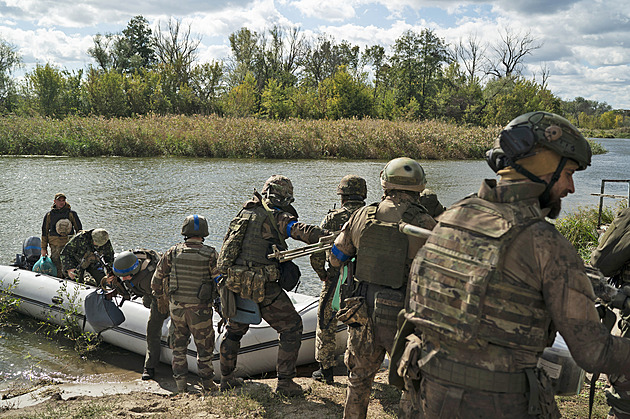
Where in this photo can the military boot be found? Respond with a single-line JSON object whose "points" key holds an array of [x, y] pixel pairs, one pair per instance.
{"points": [[148, 373], [324, 374], [228, 382], [207, 384], [289, 388], [182, 386]]}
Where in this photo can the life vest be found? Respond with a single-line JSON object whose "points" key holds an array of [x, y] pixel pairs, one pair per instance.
{"points": [[382, 254], [190, 269], [458, 292], [254, 249]]}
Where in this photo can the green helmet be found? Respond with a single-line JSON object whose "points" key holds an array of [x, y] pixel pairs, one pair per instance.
{"points": [[403, 173], [519, 138], [279, 190], [352, 185], [126, 263], [195, 226], [99, 237]]}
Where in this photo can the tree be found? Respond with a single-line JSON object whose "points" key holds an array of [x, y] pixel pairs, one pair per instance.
{"points": [[469, 54], [509, 53], [139, 38], [176, 49], [241, 100], [53, 92], [10, 60], [105, 93], [206, 83], [244, 50], [346, 97]]}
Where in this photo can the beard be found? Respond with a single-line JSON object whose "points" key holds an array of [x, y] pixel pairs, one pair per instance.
{"points": [[554, 205]]}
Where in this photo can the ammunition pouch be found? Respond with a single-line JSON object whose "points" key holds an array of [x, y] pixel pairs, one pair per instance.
{"points": [[249, 282], [289, 275], [205, 292], [228, 300], [354, 313], [387, 305]]}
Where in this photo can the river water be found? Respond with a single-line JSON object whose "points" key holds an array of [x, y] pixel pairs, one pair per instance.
{"points": [[142, 202]]}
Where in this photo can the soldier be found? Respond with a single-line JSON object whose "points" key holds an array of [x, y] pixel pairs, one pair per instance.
{"points": [[136, 270], [186, 274], [58, 224], [78, 255], [612, 258], [265, 220], [494, 283], [353, 191], [383, 256]]}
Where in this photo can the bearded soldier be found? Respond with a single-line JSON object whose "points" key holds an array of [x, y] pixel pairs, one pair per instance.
{"points": [[353, 191], [136, 269], [383, 256], [494, 283], [186, 274], [267, 220]]}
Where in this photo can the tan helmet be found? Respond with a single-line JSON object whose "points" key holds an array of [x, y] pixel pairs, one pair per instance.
{"points": [[352, 185], [279, 190], [99, 237], [63, 227], [195, 226], [403, 173]]}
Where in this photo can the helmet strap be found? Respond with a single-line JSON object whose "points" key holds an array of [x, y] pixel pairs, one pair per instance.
{"points": [[544, 198]]}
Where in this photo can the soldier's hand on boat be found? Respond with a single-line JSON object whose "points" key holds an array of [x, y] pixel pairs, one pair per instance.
{"points": [[71, 274]]}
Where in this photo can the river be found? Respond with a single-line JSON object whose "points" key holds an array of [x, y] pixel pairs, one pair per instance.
{"points": [[142, 202]]}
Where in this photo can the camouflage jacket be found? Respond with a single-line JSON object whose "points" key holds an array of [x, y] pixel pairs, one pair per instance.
{"points": [[613, 251], [334, 220], [79, 252], [543, 261]]}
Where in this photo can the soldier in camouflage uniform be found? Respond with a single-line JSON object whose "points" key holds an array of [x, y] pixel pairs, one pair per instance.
{"points": [[187, 274], [353, 191], [78, 256], [136, 269], [612, 258], [495, 281], [383, 256], [265, 220], [58, 224]]}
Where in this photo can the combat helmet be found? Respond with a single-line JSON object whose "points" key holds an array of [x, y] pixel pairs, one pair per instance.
{"points": [[126, 263], [195, 225], [538, 129], [63, 227], [99, 237], [403, 173], [352, 185], [279, 190]]}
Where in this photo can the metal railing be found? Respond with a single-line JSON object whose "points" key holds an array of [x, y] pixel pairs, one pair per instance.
{"points": [[603, 195]]}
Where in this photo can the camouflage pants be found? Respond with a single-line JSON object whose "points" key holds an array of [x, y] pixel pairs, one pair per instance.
{"points": [[154, 335], [326, 336], [279, 312], [195, 319], [55, 250], [367, 346]]}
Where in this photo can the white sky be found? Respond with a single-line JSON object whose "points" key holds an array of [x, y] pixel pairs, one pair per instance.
{"points": [[586, 43]]}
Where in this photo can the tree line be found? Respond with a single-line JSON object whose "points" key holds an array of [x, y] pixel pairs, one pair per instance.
{"points": [[281, 74]]}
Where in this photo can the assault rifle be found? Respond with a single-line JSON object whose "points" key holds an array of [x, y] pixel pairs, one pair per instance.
{"points": [[607, 293], [116, 283], [324, 243]]}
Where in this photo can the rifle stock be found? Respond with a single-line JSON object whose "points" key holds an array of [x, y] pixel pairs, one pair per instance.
{"points": [[324, 243]]}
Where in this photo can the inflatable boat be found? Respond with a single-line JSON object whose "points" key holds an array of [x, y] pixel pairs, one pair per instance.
{"points": [[48, 298]]}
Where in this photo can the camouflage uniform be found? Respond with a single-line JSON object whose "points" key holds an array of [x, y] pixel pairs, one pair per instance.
{"points": [[326, 331], [430, 201], [368, 343], [79, 254], [140, 286], [612, 258], [191, 313], [56, 241], [276, 307], [540, 286]]}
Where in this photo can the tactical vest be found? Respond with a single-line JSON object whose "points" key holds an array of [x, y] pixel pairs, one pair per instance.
{"points": [[254, 248], [189, 271], [51, 227], [141, 281], [459, 294], [382, 254]]}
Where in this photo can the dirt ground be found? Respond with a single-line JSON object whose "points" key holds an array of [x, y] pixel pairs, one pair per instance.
{"points": [[256, 399]]}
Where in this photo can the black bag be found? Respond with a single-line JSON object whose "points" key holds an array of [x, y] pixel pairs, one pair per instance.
{"points": [[101, 313], [289, 275]]}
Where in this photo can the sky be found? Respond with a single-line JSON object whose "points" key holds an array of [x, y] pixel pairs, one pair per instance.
{"points": [[585, 44]]}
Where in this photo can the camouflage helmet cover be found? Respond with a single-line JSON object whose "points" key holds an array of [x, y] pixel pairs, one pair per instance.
{"points": [[525, 132], [99, 237], [63, 227], [195, 226], [403, 173], [278, 187], [126, 263], [352, 185]]}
